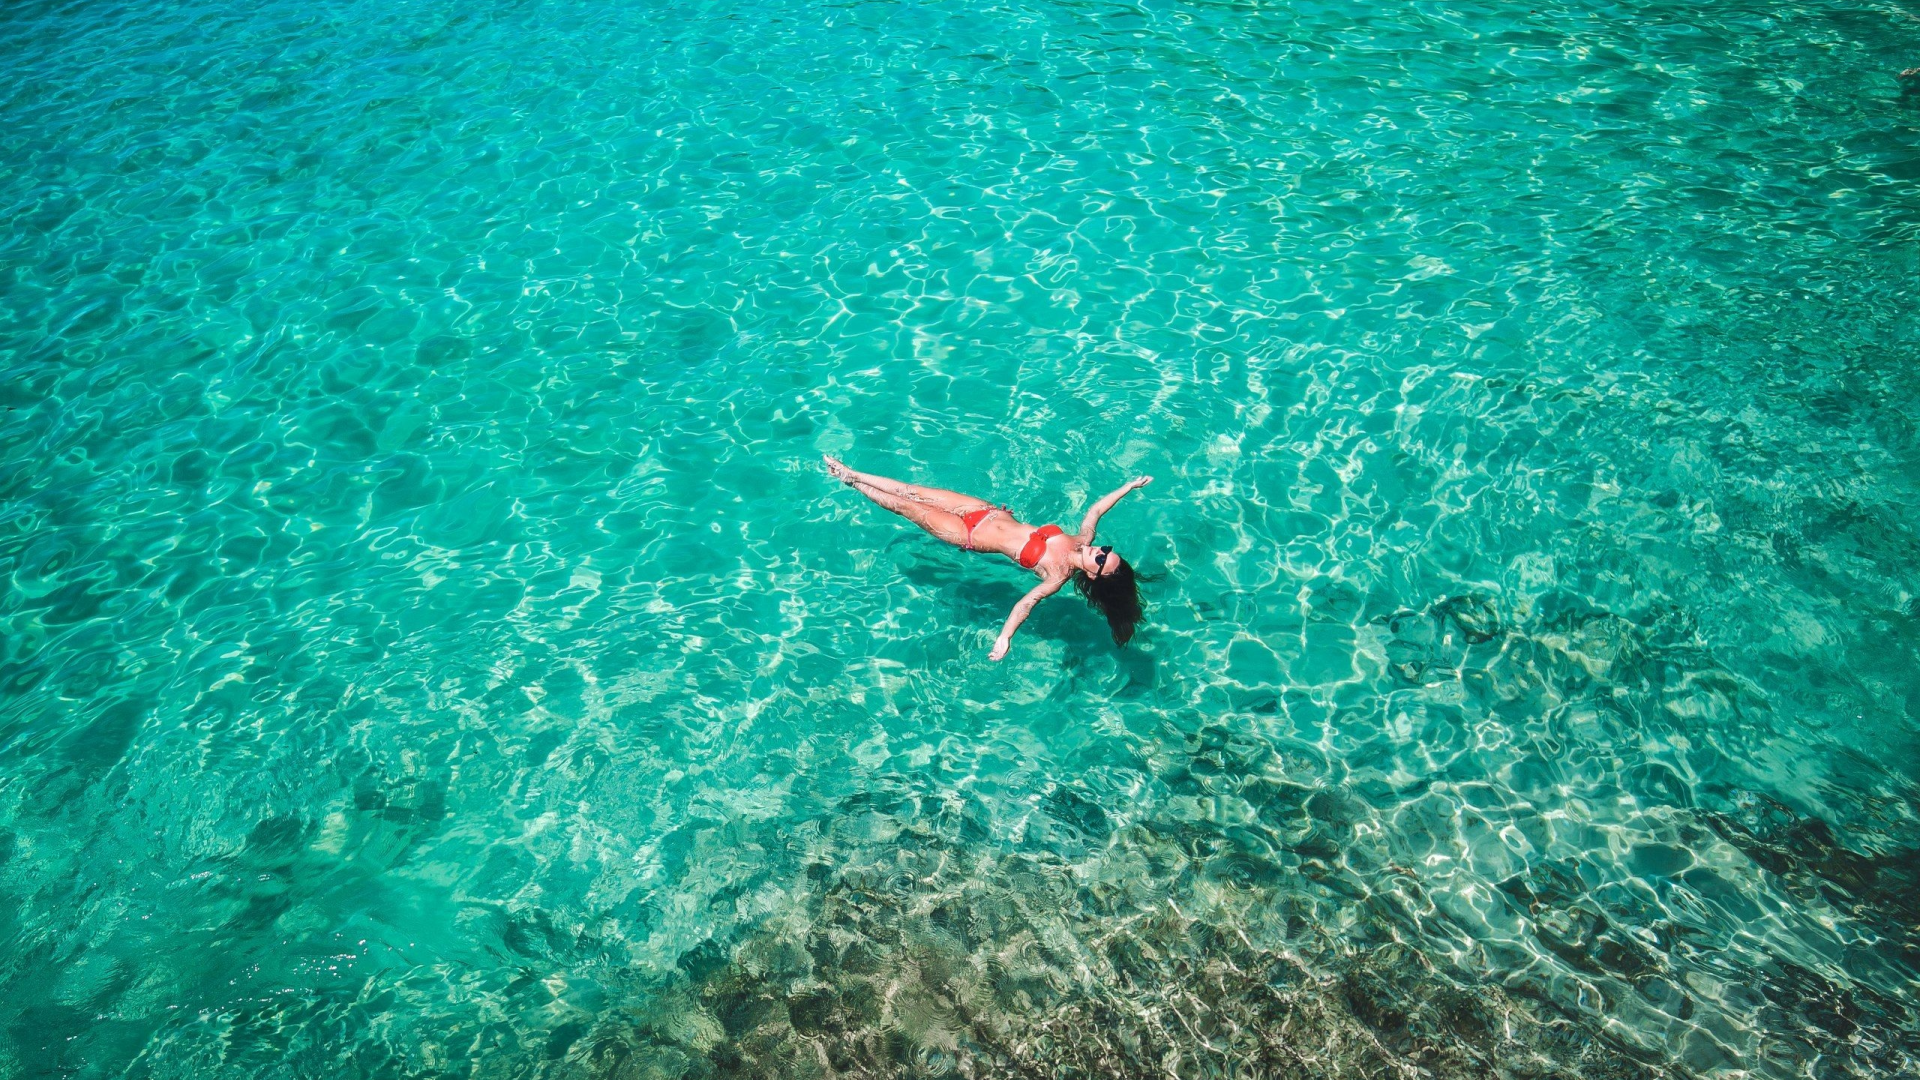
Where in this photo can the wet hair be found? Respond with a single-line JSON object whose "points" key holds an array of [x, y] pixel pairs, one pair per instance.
{"points": [[1115, 595]]}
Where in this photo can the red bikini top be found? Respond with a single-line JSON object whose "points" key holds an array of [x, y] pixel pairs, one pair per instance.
{"points": [[1037, 545]]}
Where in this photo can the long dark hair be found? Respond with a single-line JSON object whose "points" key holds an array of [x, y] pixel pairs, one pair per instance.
{"points": [[1115, 595]]}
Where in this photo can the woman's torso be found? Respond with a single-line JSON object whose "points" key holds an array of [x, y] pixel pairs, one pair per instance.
{"points": [[1003, 533]]}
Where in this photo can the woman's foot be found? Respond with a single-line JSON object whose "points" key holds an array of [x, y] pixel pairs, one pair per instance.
{"points": [[838, 469]]}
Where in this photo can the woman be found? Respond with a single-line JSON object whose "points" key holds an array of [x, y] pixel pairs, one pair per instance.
{"points": [[1102, 577]]}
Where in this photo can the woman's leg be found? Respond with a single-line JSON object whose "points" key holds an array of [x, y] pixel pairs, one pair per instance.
{"points": [[946, 526], [940, 498], [922, 510]]}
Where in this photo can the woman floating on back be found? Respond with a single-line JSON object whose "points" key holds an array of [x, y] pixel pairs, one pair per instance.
{"points": [[973, 524]]}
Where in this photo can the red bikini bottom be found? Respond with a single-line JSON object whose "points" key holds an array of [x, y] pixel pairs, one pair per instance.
{"points": [[973, 518]]}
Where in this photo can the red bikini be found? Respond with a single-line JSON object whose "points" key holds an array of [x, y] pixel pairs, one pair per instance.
{"points": [[975, 517], [1036, 541], [1037, 545]]}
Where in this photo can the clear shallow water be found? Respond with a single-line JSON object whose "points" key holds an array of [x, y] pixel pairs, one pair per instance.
{"points": [[430, 647]]}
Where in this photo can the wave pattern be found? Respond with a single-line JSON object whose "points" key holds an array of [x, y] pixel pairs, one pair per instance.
{"points": [[428, 646]]}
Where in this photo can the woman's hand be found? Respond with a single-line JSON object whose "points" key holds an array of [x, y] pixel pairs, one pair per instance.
{"points": [[1092, 521], [1019, 613]]}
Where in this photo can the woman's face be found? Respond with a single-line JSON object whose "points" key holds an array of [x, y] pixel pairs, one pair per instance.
{"points": [[1098, 560]]}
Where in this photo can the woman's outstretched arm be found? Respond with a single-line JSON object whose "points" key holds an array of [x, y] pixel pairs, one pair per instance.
{"points": [[1019, 615], [1092, 520]]}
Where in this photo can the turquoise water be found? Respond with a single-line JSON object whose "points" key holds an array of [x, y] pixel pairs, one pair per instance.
{"points": [[431, 649]]}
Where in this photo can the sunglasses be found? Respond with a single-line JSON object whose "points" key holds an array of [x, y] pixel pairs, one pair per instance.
{"points": [[1100, 559]]}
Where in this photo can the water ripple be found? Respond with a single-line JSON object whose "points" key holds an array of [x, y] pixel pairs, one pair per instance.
{"points": [[428, 647]]}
